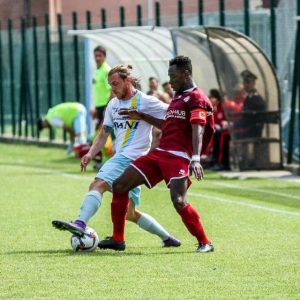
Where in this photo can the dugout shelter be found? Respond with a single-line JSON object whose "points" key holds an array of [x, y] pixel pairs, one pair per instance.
{"points": [[219, 56]]}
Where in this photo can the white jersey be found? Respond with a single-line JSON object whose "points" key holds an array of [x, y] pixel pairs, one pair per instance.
{"points": [[133, 137]]}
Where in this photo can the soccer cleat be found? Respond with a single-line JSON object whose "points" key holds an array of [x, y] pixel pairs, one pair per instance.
{"points": [[204, 248], [110, 243], [73, 227], [171, 242]]}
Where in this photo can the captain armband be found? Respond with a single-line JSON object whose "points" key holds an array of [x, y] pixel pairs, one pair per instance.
{"points": [[199, 115]]}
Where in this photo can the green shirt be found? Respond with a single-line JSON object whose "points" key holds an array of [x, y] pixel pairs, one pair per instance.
{"points": [[101, 88], [63, 114]]}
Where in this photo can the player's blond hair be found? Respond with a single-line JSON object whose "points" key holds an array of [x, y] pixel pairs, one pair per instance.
{"points": [[125, 71]]}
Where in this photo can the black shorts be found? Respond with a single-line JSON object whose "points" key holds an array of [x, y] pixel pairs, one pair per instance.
{"points": [[100, 115]]}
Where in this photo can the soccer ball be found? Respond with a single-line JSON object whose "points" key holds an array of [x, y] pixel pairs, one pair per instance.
{"points": [[87, 243]]}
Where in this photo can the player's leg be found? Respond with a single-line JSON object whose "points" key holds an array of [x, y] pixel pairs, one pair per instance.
{"points": [[92, 200], [89, 207], [147, 222], [189, 216], [144, 170], [175, 172]]}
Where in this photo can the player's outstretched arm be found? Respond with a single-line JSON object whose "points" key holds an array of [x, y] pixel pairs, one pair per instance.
{"points": [[98, 144], [137, 115], [195, 165]]}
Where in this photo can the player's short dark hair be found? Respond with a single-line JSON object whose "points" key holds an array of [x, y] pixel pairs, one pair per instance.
{"points": [[40, 124], [152, 78], [182, 62], [165, 83], [214, 93], [248, 75], [100, 49]]}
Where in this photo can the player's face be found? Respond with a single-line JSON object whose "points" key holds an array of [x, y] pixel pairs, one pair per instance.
{"points": [[99, 58], [177, 78], [249, 85], [118, 85]]}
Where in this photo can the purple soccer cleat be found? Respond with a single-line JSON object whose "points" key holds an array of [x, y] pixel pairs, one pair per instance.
{"points": [[171, 242], [77, 227]]}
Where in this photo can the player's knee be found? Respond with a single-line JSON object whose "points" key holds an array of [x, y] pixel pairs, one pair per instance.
{"points": [[178, 202], [119, 186], [99, 185]]}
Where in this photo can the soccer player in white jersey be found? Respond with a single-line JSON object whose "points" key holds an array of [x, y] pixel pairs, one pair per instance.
{"points": [[133, 139]]}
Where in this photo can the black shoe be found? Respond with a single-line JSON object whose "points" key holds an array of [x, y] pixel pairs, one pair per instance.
{"points": [[69, 226], [110, 243]]}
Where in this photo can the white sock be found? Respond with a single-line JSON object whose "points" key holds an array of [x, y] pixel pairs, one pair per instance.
{"points": [[89, 206], [149, 224]]}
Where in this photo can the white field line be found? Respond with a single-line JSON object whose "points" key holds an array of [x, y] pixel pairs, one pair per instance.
{"points": [[257, 190], [196, 195], [240, 203], [55, 172]]}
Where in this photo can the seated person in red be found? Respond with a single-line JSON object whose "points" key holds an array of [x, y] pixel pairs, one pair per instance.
{"points": [[220, 152]]}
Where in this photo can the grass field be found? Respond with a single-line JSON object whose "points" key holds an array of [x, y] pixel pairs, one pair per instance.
{"points": [[254, 225]]}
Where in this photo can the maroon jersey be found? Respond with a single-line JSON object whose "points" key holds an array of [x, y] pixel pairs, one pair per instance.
{"points": [[219, 114], [190, 107]]}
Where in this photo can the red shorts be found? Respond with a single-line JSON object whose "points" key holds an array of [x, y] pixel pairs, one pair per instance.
{"points": [[161, 165]]}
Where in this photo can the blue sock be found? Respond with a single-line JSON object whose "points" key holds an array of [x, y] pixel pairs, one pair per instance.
{"points": [[90, 205]]}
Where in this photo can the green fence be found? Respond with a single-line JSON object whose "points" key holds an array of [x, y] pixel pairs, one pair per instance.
{"points": [[42, 66]]}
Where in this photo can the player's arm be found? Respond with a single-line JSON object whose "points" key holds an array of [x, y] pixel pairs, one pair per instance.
{"points": [[197, 137], [98, 144], [137, 115]]}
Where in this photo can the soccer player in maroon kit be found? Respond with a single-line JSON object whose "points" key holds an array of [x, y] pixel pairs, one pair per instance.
{"points": [[186, 132]]}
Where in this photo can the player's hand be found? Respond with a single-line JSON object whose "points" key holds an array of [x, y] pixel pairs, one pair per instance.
{"points": [[132, 114], [85, 161], [196, 169]]}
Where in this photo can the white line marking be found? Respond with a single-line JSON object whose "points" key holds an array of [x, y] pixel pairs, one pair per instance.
{"points": [[240, 203], [196, 195], [256, 190]]}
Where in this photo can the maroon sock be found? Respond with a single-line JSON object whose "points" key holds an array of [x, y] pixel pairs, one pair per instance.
{"points": [[191, 220], [119, 206]]}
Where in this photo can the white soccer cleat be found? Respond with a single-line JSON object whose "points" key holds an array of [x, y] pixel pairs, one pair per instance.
{"points": [[204, 248]]}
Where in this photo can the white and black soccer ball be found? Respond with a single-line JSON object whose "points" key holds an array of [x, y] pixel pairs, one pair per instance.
{"points": [[87, 243]]}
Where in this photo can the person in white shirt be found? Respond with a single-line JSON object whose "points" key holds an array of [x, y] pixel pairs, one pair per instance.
{"points": [[133, 139]]}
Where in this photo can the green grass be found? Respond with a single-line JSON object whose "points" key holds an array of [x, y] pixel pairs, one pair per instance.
{"points": [[254, 225]]}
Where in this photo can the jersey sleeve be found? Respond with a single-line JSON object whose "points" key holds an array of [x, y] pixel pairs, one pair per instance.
{"points": [[56, 122], [200, 108], [155, 108], [108, 118]]}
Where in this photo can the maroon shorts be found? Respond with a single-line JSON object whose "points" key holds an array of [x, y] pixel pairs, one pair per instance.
{"points": [[161, 165]]}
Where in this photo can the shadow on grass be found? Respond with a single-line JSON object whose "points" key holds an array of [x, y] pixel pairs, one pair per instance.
{"points": [[99, 253]]}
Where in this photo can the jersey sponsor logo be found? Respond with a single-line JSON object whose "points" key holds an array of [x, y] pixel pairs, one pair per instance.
{"points": [[186, 99], [176, 113], [181, 172], [126, 125]]}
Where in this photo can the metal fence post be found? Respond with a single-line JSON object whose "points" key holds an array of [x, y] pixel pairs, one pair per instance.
{"points": [[122, 16], [222, 12], [88, 17], [200, 12], [139, 15], [1, 87], [296, 85], [103, 18], [61, 63], [76, 57], [12, 76], [49, 73], [273, 32], [246, 18], [180, 13], [157, 13], [36, 72]]}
